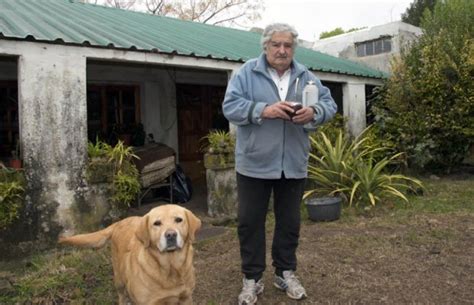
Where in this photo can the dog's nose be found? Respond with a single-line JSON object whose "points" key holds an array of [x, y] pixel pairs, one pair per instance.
{"points": [[171, 235]]}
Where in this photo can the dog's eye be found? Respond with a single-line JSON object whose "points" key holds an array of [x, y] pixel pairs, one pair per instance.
{"points": [[178, 219], [157, 223]]}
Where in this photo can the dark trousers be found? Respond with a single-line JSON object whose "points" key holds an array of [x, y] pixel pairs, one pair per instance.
{"points": [[254, 195]]}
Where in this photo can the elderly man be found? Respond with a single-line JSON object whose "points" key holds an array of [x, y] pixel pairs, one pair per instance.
{"points": [[271, 153]]}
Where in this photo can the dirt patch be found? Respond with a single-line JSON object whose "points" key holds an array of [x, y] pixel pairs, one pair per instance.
{"points": [[424, 260]]}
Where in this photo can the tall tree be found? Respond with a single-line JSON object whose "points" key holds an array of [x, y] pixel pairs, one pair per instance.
{"points": [[123, 4], [414, 13], [215, 12], [158, 7], [337, 31]]}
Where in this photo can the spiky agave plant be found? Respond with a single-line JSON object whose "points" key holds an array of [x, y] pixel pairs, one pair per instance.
{"points": [[348, 169], [372, 182], [218, 141], [330, 169]]}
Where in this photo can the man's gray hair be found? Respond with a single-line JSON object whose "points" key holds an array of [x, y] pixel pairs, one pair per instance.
{"points": [[278, 28]]}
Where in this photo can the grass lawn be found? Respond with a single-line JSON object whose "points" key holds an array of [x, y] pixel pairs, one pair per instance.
{"points": [[421, 252]]}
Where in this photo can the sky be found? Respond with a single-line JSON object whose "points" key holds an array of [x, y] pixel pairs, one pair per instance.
{"points": [[311, 17]]}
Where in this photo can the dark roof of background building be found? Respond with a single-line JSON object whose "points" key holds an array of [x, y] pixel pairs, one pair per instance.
{"points": [[75, 23]]}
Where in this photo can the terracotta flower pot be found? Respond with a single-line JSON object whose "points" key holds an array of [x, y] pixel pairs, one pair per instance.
{"points": [[15, 163]]}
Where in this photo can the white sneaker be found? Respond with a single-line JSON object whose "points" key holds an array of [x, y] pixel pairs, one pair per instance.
{"points": [[250, 291], [290, 283]]}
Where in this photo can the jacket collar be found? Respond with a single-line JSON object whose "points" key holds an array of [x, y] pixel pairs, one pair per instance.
{"points": [[262, 67]]}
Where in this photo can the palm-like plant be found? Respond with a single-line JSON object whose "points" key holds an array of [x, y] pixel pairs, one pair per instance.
{"points": [[372, 183], [331, 167], [218, 141], [98, 149], [126, 184], [120, 153], [348, 169]]}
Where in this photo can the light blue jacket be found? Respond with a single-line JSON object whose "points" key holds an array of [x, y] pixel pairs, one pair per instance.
{"points": [[267, 147]]}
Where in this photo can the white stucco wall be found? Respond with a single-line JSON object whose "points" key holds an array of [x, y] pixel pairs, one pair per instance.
{"points": [[53, 116]]}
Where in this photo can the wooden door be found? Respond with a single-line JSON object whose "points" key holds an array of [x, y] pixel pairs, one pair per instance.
{"points": [[198, 105]]}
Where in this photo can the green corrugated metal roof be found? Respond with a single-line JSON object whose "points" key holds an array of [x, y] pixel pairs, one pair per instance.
{"points": [[73, 22]]}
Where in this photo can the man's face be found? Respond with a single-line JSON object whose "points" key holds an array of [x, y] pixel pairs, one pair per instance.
{"points": [[279, 51]]}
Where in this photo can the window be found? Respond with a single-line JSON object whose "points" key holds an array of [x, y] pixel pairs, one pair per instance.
{"points": [[360, 50], [369, 48], [374, 47], [387, 45], [112, 111], [378, 46]]}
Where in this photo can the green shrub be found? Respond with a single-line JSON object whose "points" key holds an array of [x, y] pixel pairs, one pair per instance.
{"points": [[98, 149], [126, 187], [218, 141], [331, 129], [427, 106], [125, 176], [348, 169], [11, 196], [372, 183]]}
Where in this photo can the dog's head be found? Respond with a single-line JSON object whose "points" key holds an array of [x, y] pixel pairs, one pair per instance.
{"points": [[168, 228]]}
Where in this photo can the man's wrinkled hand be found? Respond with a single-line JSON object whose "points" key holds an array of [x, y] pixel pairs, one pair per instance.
{"points": [[278, 110], [303, 116]]}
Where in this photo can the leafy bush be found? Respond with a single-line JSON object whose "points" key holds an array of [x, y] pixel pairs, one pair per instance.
{"points": [[218, 141], [126, 186], [98, 149], [331, 129], [427, 106], [373, 137], [120, 155], [349, 169], [372, 183], [125, 183], [11, 196]]}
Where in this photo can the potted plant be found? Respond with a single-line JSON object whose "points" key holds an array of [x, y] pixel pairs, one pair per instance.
{"points": [[99, 169], [219, 162], [348, 170], [15, 161], [219, 149], [114, 165]]}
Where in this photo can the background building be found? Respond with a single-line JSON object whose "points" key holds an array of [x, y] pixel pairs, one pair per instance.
{"points": [[374, 46]]}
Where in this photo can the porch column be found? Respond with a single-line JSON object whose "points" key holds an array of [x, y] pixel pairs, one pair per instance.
{"points": [[53, 135], [354, 107]]}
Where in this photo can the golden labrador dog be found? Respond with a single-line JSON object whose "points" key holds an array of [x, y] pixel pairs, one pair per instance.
{"points": [[152, 256]]}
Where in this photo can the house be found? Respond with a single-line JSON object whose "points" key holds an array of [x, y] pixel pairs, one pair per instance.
{"points": [[70, 71], [374, 46]]}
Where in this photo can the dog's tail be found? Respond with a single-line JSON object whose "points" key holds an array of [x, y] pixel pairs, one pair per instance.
{"points": [[91, 240]]}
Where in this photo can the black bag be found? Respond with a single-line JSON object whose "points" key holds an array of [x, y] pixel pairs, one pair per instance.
{"points": [[182, 188]]}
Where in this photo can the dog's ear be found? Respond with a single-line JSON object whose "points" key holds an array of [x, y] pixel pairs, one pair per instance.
{"points": [[142, 232], [194, 224]]}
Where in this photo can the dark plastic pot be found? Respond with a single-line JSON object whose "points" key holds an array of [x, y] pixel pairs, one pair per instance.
{"points": [[323, 208]]}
